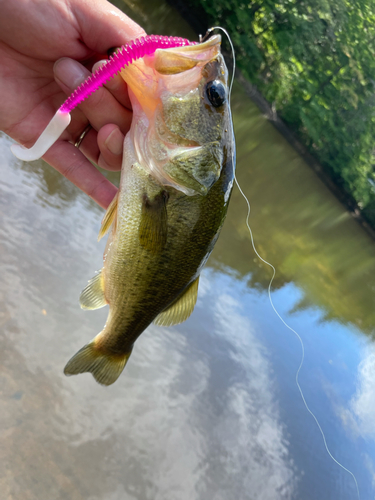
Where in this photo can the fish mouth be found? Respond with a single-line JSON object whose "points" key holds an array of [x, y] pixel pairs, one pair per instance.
{"points": [[179, 59], [197, 48], [176, 70]]}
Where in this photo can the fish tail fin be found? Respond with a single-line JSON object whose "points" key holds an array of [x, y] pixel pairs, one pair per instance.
{"points": [[106, 368]]}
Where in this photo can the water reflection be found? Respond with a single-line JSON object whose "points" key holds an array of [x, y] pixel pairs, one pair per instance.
{"points": [[182, 424], [298, 227], [362, 406], [245, 416], [56, 191]]}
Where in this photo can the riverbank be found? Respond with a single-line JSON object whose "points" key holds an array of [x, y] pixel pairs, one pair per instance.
{"points": [[341, 156], [272, 116]]}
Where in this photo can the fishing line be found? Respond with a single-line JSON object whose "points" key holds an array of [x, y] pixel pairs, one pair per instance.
{"points": [[273, 276]]}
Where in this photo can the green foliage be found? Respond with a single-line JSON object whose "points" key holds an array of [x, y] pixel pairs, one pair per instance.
{"points": [[315, 61]]}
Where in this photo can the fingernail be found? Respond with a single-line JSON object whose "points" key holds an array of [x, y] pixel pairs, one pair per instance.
{"points": [[115, 82], [98, 64], [70, 72], [114, 142]]}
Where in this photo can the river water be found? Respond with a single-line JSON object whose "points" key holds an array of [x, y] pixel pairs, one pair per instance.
{"points": [[208, 409]]}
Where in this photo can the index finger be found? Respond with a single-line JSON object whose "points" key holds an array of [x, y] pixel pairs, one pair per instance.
{"points": [[104, 26]]}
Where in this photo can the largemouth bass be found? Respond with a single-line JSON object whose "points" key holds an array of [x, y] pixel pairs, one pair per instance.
{"points": [[176, 180]]}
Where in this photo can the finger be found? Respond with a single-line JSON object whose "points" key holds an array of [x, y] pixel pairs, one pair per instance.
{"points": [[111, 142], [71, 163], [89, 146], [104, 26], [104, 148], [101, 107], [116, 85]]}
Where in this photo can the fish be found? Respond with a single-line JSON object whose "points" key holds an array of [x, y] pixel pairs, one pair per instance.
{"points": [[176, 181]]}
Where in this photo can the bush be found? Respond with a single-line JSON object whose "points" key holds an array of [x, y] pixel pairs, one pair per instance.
{"points": [[314, 60]]}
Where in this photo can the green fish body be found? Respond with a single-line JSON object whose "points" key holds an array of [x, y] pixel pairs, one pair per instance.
{"points": [[176, 181]]}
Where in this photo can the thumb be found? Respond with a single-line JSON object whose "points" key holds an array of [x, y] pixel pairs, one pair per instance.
{"points": [[104, 26]]}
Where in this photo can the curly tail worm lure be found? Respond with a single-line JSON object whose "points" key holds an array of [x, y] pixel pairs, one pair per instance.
{"points": [[126, 55]]}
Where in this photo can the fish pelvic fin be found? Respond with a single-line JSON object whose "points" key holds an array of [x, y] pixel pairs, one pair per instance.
{"points": [[105, 368]]}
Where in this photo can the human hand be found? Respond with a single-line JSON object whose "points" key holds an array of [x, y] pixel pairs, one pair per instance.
{"points": [[34, 34]]}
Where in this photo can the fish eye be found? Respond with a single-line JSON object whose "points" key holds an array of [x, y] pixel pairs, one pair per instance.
{"points": [[216, 93]]}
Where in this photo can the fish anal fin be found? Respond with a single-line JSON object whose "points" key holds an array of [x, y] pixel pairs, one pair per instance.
{"points": [[181, 308], [92, 296], [109, 217], [105, 368], [153, 227]]}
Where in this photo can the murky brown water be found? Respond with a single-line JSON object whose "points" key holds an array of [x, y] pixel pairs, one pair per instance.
{"points": [[208, 409]]}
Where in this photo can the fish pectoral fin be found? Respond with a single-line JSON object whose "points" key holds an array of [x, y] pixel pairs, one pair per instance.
{"points": [[92, 296], [153, 227], [181, 308], [106, 368], [109, 217]]}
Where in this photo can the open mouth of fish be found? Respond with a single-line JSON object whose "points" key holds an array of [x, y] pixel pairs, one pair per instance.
{"points": [[169, 122]]}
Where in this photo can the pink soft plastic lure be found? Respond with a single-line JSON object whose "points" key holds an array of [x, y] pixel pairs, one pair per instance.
{"points": [[126, 55]]}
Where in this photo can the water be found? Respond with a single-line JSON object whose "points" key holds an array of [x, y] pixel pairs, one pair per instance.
{"points": [[208, 409]]}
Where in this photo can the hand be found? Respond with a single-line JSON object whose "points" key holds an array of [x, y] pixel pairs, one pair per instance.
{"points": [[33, 35]]}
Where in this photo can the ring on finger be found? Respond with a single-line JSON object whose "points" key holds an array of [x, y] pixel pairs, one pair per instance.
{"points": [[82, 136]]}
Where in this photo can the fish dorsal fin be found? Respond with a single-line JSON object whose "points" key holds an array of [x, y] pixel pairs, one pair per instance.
{"points": [[153, 227], [109, 217], [92, 297], [181, 308]]}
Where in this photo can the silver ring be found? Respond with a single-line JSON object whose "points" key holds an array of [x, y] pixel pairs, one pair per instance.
{"points": [[82, 136]]}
